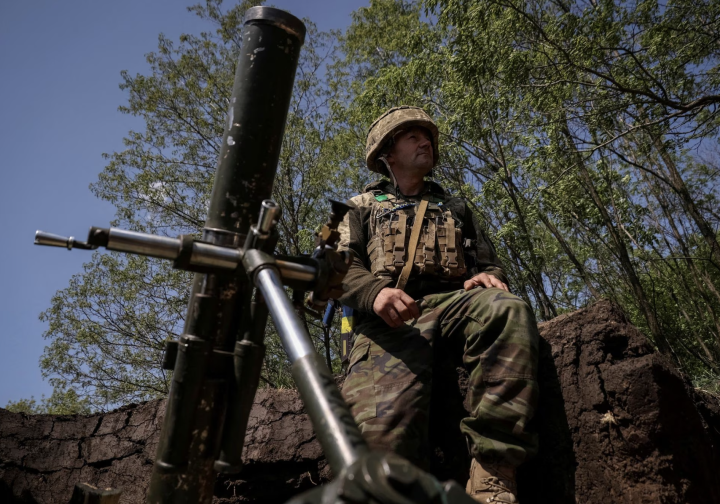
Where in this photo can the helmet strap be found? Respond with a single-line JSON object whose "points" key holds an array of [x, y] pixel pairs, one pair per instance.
{"points": [[384, 161]]}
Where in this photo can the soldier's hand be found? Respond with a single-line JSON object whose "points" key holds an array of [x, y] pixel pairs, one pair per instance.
{"points": [[394, 306], [484, 280]]}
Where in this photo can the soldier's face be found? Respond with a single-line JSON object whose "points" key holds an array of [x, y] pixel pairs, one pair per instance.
{"points": [[412, 152]]}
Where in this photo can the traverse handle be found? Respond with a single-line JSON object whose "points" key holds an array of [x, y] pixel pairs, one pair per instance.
{"points": [[200, 254]]}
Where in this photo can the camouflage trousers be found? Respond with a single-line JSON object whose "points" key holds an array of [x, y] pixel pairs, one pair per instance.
{"points": [[390, 373]]}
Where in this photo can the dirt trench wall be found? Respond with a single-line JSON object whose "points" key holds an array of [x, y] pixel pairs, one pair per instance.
{"points": [[617, 424], [43, 456]]}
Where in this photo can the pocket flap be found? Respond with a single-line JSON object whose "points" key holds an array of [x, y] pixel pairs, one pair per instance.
{"points": [[359, 353]]}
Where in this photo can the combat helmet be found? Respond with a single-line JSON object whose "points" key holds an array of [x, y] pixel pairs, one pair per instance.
{"points": [[390, 123]]}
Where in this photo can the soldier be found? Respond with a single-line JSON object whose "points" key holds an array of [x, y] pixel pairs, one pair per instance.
{"points": [[424, 270]]}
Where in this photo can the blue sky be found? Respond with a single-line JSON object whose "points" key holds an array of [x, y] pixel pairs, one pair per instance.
{"points": [[60, 64]]}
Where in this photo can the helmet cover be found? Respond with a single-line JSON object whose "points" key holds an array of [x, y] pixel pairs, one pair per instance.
{"points": [[388, 125]]}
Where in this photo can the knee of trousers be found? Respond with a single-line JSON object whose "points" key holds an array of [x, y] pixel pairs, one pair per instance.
{"points": [[506, 332], [496, 306]]}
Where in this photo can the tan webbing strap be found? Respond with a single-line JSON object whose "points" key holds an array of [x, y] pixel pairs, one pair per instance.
{"points": [[450, 248], [399, 245], [414, 237]]}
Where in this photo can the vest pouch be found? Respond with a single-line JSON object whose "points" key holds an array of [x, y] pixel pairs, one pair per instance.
{"points": [[396, 256], [387, 237], [426, 260], [462, 269], [442, 246], [439, 251], [452, 259]]}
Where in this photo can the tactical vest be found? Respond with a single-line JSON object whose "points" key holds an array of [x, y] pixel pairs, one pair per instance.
{"points": [[439, 252]]}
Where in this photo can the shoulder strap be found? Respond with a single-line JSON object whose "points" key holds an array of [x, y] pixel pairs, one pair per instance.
{"points": [[414, 237]]}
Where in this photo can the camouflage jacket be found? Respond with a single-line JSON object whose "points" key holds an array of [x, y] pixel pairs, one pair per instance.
{"points": [[362, 287]]}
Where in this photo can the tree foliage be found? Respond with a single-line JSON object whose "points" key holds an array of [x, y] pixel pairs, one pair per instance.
{"points": [[107, 329], [584, 134], [60, 402]]}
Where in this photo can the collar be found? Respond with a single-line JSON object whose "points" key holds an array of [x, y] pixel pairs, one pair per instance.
{"points": [[386, 186]]}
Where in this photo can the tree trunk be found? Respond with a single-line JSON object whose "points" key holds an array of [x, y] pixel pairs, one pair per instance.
{"points": [[619, 246]]}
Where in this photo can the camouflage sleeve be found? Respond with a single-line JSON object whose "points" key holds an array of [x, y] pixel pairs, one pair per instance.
{"points": [[486, 259], [361, 286]]}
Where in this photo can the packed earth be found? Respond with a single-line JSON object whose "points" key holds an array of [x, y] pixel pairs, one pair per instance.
{"points": [[617, 424]]}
